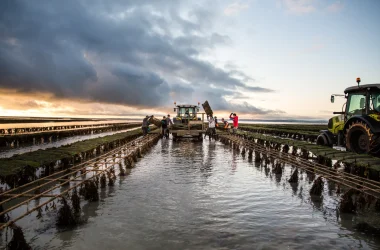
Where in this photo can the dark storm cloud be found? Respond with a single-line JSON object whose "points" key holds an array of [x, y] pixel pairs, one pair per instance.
{"points": [[217, 103], [215, 98], [120, 51]]}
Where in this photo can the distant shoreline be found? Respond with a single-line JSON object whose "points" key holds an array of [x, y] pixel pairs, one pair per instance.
{"points": [[284, 120], [10, 119]]}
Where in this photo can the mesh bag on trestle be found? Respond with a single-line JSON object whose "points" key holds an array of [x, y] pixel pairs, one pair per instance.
{"points": [[155, 121], [207, 108]]}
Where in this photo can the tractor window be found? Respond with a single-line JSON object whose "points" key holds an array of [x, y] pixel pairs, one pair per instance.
{"points": [[191, 111], [356, 104], [182, 111], [375, 102], [186, 112]]}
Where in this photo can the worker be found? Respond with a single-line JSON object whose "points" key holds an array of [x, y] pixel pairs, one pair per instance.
{"points": [[225, 124], [211, 126], [235, 120], [169, 121], [216, 121], [145, 125], [164, 126]]}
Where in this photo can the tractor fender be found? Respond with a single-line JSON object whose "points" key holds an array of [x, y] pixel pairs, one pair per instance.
{"points": [[329, 136], [372, 123]]}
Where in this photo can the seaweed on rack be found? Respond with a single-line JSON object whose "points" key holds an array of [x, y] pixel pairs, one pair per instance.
{"points": [[91, 191], [111, 181], [347, 203], [294, 177], [121, 170], [128, 162], [317, 187], [103, 181], [65, 215], [75, 201], [277, 169]]}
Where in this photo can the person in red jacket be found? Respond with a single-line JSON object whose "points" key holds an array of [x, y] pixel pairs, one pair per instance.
{"points": [[235, 120]]}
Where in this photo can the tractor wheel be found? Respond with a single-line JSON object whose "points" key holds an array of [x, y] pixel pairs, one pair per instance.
{"points": [[323, 140], [359, 138]]}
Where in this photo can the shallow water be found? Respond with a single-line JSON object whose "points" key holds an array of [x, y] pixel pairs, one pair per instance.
{"points": [[59, 123], [203, 195], [61, 142]]}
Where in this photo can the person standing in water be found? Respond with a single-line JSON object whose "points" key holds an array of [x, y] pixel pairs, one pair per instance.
{"points": [[211, 126], [235, 120], [145, 125], [216, 122], [164, 126], [169, 121], [225, 124]]}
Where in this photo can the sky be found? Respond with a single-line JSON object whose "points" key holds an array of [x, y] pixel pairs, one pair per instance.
{"points": [[261, 59]]}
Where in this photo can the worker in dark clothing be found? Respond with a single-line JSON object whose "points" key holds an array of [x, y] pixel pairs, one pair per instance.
{"points": [[145, 125], [169, 121], [164, 127], [225, 124]]}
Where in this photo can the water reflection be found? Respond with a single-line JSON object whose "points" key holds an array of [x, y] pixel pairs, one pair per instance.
{"points": [[202, 195], [294, 187], [317, 202], [89, 210], [60, 124], [61, 142]]}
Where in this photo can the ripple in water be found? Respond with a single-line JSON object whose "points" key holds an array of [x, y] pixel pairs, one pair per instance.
{"points": [[203, 195]]}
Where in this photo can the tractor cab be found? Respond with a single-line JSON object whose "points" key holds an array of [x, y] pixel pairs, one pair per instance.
{"points": [[357, 126], [363, 100], [185, 113]]}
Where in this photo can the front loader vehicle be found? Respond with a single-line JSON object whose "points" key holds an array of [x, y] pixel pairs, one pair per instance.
{"points": [[357, 126]]}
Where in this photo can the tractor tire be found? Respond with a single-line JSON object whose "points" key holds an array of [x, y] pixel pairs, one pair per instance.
{"points": [[359, 138], [323, 140]]}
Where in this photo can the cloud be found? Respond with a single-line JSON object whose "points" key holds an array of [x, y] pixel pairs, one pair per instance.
{"points": [[217, 101], [235, 8], [137, 53], [32, 104], [335, 7], [299, 6], [309, 6]]}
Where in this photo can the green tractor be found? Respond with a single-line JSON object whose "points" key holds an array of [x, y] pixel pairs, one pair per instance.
{"points": [[187, 124], [357, 127]]}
